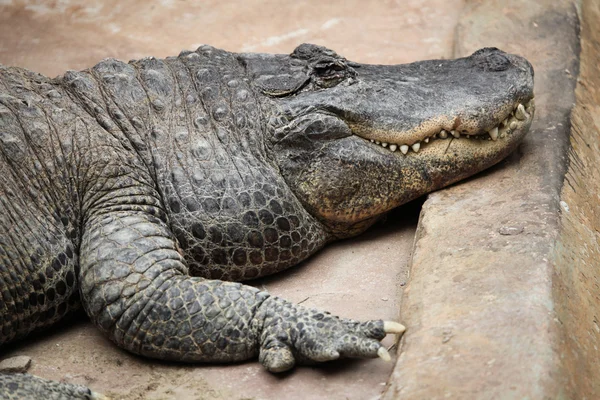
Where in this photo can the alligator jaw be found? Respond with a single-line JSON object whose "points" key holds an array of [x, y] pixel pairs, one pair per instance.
{"points": [[517, 118]]}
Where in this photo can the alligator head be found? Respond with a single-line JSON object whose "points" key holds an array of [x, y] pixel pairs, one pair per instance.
{"points": [[354, 140]]}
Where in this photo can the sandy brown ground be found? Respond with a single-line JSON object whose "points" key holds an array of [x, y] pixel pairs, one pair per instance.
{"points": [[360, 278]]}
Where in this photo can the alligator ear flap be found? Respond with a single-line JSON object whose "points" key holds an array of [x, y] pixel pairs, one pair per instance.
{"points": [[282, 84]]}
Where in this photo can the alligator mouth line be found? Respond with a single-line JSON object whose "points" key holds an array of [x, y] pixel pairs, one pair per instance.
{"points": [[520, 113]]}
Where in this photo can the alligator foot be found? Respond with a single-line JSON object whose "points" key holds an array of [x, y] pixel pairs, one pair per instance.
{"points": [[293, 334], [25, 386]]}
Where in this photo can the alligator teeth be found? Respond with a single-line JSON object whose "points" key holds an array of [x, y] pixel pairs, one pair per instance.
{"points": [[530, 103], [520, 113]]}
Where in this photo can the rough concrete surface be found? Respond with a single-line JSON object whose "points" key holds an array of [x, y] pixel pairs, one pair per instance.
{"points": [[359, 278], [18, 364], [577, 253], [479, 305]]}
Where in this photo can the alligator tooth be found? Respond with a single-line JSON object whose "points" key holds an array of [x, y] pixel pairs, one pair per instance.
{"points": [[505, 122], [443, 134], [513, 124], [377, 142], [494, 133], [455, 134], [393, 147], [384, 144], [404, 149], [426, 140], [416, 147], [530, 103], [372, 141], [520, 113]]}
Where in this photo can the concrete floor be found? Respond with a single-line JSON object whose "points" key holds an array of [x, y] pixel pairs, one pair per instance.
{"points": [[360, 278], [55, 35]]}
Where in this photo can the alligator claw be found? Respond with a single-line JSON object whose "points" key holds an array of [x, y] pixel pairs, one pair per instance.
{"points": [[383, 354], [393, 327]]}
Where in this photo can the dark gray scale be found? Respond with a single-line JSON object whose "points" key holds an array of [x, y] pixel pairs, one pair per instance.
{"points": [[24, 386], [126, 102], [38, 235]]}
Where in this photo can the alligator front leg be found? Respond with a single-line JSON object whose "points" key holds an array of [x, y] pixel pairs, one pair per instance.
{"points": [[136, 289]]}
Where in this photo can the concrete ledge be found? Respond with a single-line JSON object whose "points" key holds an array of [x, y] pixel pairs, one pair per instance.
{"points": [[479, 304], [577, 253]]}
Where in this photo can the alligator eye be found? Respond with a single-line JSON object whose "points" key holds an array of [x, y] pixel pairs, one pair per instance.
{"points": [[328, 74]]}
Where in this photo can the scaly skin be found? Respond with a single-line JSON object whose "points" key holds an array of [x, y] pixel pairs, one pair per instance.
{"points": [[135, 190], [24, 386]]}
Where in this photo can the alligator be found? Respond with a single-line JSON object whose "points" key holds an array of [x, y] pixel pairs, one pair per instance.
{"points": [[144, 192]]}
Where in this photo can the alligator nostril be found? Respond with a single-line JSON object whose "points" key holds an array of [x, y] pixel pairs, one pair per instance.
{"points": [[491, 59], [495, 62], [498, 62]]}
